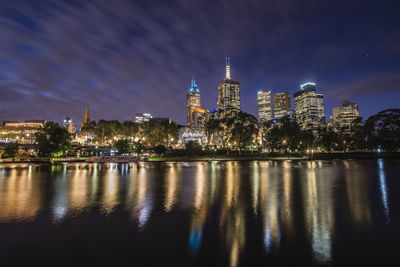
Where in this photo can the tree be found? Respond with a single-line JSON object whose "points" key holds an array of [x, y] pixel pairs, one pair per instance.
{"points": [[53, 140], [244, 131], [138, 148], [212, 127], [327, 139], [160, 149], [122, 146], [193, 148], [10, 150], [383, 130]]}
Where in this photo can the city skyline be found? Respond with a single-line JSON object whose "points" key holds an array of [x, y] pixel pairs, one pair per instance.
{"points": [[127, 65]]}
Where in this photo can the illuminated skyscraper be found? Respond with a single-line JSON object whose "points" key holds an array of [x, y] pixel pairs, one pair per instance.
{"points": [[195, 115], [281, 104], [228, 94], [86, 117], [309, 107], [344, 116], [264, 106]]}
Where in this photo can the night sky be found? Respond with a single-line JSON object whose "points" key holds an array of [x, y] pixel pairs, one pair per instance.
{"points": [[123, 57]]}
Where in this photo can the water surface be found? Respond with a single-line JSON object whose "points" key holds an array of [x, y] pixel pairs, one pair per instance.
{"points": [[255, 213]]}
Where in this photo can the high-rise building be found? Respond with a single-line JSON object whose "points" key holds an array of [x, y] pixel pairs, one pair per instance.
{"points": [[142, 117], [228, 94], [264, 106], [86, 117], [195, 115], [282, 106], [344, 116], [309, 107]]}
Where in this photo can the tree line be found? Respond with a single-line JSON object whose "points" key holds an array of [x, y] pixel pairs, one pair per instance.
{"points": [[380, 132]]}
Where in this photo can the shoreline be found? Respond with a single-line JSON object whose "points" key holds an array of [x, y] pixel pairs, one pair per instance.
{"points": [[243, 157]]}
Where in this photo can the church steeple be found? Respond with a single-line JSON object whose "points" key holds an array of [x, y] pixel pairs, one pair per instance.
{"points": [[86, 116]]}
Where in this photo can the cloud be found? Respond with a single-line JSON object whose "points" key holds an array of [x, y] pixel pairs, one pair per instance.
{"points": [[125, 56], [372, 84]]}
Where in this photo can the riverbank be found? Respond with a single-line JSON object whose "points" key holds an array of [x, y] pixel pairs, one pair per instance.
{"points": [[235, 157]]}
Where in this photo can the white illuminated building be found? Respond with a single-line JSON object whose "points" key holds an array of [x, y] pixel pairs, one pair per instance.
{"points": [[264, 106], [309, 107], [195, 134]]}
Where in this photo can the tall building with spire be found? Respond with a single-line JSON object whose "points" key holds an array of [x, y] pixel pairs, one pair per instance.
{"points": [[86, 117], [195, 115], [228, 94]]}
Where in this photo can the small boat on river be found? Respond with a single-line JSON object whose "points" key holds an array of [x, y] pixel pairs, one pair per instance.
{"points": [[116, 159]]}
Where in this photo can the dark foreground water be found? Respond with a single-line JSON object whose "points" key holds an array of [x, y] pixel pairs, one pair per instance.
{"points": [[257, 213]]}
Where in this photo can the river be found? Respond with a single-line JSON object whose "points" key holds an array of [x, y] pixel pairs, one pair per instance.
{"points": [[234, 213]]}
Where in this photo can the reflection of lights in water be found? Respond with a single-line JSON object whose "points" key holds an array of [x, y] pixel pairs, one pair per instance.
{"points": [[255, 186], [213, 180], [19, 195], [358, 199], [287, 214], [144, 203], [195, 240], [144, 213], [172, 185], [78, 189], [270, 208], [200, 209], [232, 221], [319, 215], [60, 202], [200, 187], [383, 187], [110, 189]]}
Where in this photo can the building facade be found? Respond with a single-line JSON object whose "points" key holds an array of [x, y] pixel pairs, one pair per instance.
{"points": [[20, 132], [264, 106], [195, 134], [142, 117], [282, 105], [309, 107], [228, 94], [344, 115], [195, 115]]}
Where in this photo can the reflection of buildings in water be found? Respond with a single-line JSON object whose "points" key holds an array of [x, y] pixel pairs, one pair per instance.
{"points": [[255, 186], [201, 203], [232, 220], [269, 201], [271, 193], [172, 186], [75, 188], [287, 216], [20, 195], [78, 189], [140, 196], [110, 198], [383, 189], [319, 213], [214, 181], [60, 201], [358, 198]]}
